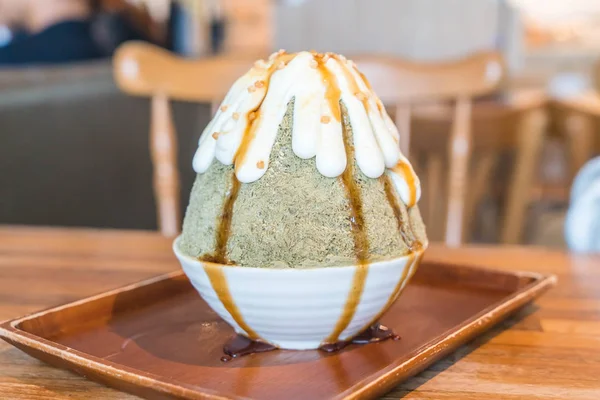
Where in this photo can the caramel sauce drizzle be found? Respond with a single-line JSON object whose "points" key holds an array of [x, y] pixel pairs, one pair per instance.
{"points": [[215, 261], [223, 231], [254, 117], [332, 91], [352, 82], [364, 78], [409, 270], [404, 170], [249, 135], [368, 84], [215, 272], [361, 242], [378, 102], [406, 233], [218, 281], [401, 167]]}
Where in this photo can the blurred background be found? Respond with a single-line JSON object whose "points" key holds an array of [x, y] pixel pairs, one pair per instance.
{"points": [[74, 149]]}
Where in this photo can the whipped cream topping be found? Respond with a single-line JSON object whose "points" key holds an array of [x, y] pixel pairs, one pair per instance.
{"points": [[245, 126]]}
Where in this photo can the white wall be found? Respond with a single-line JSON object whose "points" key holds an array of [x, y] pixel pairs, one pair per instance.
{"points": [[557, 12], [415, 29]]}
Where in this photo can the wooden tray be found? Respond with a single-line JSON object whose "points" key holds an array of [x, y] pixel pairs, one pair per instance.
{"points": [[158, 339]]}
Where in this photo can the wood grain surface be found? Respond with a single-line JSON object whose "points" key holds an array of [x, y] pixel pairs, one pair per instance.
{"points": [[549, 351]]}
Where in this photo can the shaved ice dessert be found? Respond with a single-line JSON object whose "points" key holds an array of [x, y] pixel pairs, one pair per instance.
{"points": [[301, 167], [302, 227]]}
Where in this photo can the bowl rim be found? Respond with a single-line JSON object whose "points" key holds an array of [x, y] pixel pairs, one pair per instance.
{"points": [[197, 263]]}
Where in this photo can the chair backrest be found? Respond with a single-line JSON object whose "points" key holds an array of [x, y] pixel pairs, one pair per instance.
{"points": [[400, 83], [142, 69]]}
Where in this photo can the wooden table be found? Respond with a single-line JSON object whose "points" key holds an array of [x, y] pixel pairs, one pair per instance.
{"points": [[548, 351]]}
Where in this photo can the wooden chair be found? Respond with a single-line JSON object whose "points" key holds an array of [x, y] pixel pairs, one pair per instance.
{"points": [[402, 84], [577, 120], [145, 70]]}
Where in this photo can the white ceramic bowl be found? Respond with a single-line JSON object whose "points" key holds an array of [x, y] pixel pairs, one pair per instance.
{"points": [[297, 308]]}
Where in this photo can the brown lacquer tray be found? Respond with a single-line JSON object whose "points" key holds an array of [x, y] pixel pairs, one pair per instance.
{"points": [[158, 339]]}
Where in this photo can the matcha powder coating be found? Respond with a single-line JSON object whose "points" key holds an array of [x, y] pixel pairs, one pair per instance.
{"points": [[293, 216]]}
